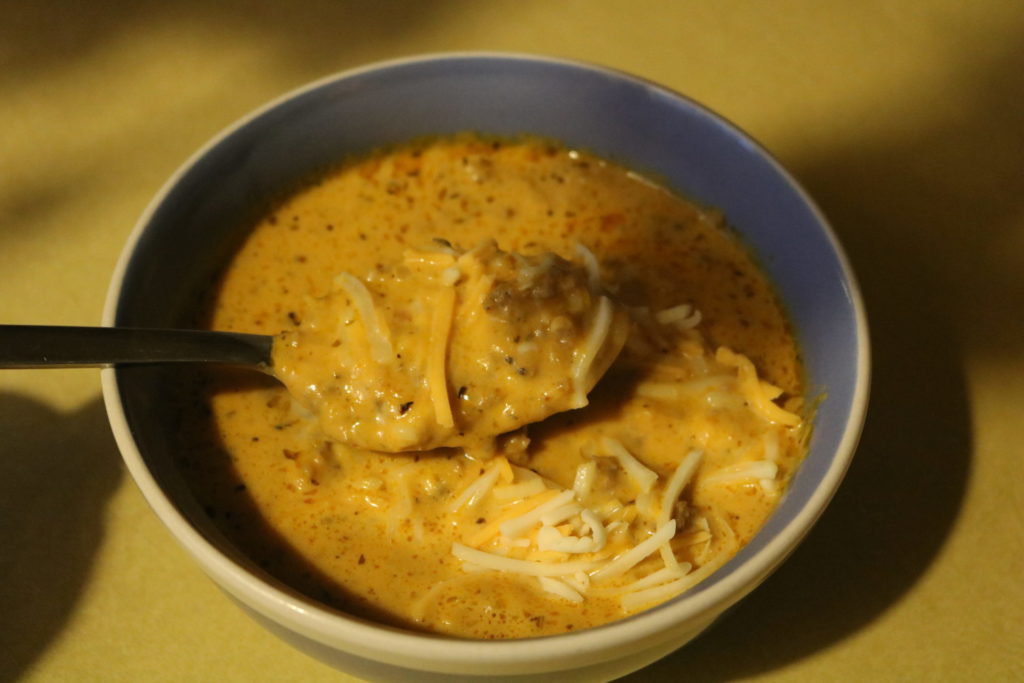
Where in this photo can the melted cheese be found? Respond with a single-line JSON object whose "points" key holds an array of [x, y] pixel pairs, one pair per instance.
{"points": [[441, 322], [672, 462]]}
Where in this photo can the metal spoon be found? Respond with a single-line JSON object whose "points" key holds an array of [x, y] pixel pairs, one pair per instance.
{"points": [[40, 346]]}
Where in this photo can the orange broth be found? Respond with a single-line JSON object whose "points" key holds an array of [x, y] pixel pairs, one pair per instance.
{"points": [[376, 534]]}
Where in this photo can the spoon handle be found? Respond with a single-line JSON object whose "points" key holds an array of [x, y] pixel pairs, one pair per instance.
{"points": [[40, 346]]}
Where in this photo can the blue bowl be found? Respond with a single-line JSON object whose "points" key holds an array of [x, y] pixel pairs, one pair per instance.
{"points": [[202, 213]]}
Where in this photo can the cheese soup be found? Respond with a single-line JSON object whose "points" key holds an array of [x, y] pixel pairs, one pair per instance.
{"points": [[447, 459]]}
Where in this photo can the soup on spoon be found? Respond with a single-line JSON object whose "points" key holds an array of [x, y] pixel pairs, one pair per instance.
{"points": [[450, 348]]}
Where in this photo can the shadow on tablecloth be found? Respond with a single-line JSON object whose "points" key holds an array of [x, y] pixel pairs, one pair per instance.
{"points": [[57, 472]]}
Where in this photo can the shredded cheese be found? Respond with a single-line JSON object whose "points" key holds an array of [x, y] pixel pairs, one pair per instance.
{"points": [[770, 443], [585, 356], [560, 514], [520, 525], [450, 276], [629, 559], [641, 476], [580, 581], [637, 599], [592, 266], [584, 481], [546, 524], [758, 469], [440, 328], [596, 528], [515, 510], [508, 564], [663, 575], [552, 538], [560, 588], [660, 390], [752, 389], [680, 478], [670, 391], [683, 316], [504, 494], [376, 336], [472, 494], [669, 557]]}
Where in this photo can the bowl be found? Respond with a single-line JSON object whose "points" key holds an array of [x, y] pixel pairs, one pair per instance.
{"points": [[199, 216]]}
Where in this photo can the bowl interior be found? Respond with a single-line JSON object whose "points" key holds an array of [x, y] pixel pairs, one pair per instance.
{"points": [[203, 212]]}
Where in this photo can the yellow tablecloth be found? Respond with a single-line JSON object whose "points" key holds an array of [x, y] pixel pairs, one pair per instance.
{"points": [[905, 120]]}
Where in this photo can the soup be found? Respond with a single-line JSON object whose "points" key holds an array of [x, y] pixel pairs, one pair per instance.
{"points": [[613, 502]]}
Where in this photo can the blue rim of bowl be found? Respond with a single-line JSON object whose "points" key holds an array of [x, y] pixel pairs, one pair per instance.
{"points": [[450, 655]]}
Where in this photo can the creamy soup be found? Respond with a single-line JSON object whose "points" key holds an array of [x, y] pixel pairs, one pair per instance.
{"points": [[522, 337], [598, 500]]}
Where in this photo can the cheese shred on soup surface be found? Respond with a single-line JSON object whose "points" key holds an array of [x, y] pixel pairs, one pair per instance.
{"points": [[530, 392]]}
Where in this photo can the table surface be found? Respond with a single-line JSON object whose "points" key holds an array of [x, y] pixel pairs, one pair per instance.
{"points": [[905, 121]]}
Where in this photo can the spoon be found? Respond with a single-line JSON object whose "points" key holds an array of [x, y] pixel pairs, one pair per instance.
{"points": [[41, 346], [420, 378]]}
